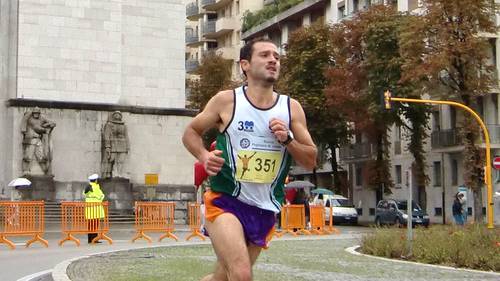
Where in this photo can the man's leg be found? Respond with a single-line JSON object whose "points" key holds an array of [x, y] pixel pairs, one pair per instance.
{"points": [[220, 272], [228, 240]]}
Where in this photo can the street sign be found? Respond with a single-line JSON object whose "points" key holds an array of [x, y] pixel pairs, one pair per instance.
{"points": [[496, 163]]}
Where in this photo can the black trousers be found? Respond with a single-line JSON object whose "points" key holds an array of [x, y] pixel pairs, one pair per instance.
{"points": [[93, 226]]}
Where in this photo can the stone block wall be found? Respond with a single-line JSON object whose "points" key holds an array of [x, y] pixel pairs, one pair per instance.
{"points": [[118, 52]]}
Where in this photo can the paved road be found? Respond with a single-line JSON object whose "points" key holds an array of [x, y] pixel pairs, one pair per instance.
{"points": [[21, 262]]}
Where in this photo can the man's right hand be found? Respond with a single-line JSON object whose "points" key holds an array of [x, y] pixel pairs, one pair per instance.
{"points": [[212, 162]]}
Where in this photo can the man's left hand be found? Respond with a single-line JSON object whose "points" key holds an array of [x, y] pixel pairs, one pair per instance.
{"points": [[279, 129]]}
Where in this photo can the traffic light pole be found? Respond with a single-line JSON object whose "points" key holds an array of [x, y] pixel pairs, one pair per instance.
{"points": [[487, 173]]}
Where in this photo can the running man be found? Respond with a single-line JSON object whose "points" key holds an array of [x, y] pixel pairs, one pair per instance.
{"points": [[241, 213]]}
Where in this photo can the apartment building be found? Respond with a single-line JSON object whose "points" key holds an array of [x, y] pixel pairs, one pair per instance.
{"points": [[444, 149], [215, 25]]}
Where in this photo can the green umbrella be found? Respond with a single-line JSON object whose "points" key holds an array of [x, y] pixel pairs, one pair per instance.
{"points": [[322, 191]]}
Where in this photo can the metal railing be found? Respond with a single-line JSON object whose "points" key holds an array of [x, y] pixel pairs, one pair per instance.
{"points": [[191, 65], [356, 151], [192, 9], [192, 38], [207, 2], [208, 27], [445, 138]]}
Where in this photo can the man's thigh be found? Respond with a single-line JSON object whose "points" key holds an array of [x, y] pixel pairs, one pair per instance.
{"points": [[228, 240]]}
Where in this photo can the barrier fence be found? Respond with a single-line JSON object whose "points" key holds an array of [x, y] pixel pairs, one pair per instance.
{"points": [[154, 217], [330, 228], [22, 219], [317, 219], [293, 220], [84, 218], [194, 212]]}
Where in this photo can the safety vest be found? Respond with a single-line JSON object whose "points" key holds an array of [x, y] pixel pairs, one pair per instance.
{"points": [[94, 196]]}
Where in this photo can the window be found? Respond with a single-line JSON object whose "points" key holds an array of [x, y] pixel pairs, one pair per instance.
{"points": [[436, 121], [399, 179], [437, 173], [438, 212], [453, 117], [359, 176], [454, 172]]}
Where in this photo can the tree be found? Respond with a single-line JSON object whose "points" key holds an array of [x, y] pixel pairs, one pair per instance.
{"points": [[447, 56], [303, 78], [213, 75]]}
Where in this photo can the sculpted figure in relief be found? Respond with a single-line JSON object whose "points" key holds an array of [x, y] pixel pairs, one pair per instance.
{"points": [[115, 145], [36, 132]]}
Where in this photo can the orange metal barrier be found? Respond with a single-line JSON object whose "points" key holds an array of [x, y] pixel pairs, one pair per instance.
{"points": [[293, 219], [317, 219], [330, 228], [194, 221], [154, 217], [21, 219], [83, 218]]}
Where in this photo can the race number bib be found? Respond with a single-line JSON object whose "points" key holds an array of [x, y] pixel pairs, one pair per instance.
{"points": [[258, 166]]}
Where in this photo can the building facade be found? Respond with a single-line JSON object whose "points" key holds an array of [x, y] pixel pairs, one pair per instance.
{"points": [[215, 26], [77, 62], [444, 151]]}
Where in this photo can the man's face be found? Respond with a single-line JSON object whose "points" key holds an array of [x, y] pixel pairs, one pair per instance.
{"points": [[264, 64], [36, 115]]}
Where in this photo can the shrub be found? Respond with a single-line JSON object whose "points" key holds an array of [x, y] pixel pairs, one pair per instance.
{"points": [[473, 246], [252, 19]]}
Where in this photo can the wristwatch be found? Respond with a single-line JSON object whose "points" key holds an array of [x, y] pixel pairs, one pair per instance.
{"points": [[289, 138]]}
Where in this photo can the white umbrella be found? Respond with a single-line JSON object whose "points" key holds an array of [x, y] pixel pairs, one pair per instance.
{"points": [[20, 182], [299, 184]]}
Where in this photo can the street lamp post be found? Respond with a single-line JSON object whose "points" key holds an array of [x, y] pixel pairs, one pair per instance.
{"points": [[487, 173]]}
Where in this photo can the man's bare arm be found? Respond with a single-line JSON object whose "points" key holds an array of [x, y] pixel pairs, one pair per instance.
{"points": [[210, 117]]}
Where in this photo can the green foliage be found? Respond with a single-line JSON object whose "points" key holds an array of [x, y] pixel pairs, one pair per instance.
{"points": [[214, 76], [473, 246], [447, 57], [253, 19], [303, 78]]}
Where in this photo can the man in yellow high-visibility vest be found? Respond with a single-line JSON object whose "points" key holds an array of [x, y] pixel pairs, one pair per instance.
{"points": [[93, 210]]}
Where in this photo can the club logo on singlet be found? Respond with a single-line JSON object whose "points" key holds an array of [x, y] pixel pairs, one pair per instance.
{"points": [[246, 126]]}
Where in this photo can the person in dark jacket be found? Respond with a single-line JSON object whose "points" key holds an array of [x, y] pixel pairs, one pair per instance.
{"points": [[457, 209]]}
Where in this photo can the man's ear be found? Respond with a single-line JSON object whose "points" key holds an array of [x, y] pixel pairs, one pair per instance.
{"points": [[245, 65]]}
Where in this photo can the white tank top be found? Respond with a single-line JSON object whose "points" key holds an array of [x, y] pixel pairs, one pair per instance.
{"points": [[256, 161]]}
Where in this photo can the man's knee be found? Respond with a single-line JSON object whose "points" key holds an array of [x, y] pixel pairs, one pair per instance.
{"points": [[241, 273]]}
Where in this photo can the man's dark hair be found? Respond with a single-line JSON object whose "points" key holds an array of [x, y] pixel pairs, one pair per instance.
{"points": [[247, 50]]}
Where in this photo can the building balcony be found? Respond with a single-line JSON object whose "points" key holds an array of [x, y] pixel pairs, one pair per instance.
{"points": [[191, 65], [192, 40], [228, 53], [357, 152], [214, 5], [445, 138], [208, 28], [193, 12], [223, 26]]}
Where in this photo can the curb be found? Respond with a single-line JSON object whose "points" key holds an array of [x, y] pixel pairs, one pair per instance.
{"points": [[59, 271], [352, 250]]}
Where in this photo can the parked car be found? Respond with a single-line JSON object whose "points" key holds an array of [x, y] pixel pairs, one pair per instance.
{"points": [[395, 212], [343, 210]]}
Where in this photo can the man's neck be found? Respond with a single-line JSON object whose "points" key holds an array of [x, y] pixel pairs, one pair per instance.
{"points": [[260, 95]]}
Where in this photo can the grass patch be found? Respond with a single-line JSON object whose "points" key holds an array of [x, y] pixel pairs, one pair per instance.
{"points": [[473, 246], [293, 260]]}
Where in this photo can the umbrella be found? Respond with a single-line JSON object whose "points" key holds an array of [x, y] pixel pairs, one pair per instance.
{"points": [[299, 184], [20, 182], [322, 191]]}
